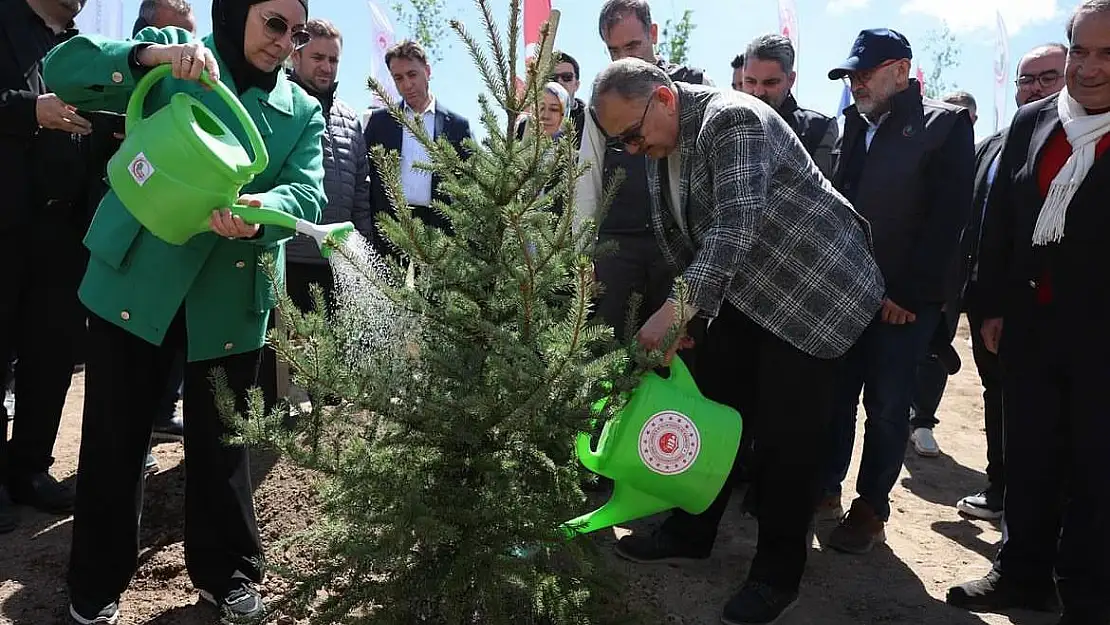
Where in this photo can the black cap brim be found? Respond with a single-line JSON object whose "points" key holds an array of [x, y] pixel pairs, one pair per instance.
{"points": [[845, 68]]}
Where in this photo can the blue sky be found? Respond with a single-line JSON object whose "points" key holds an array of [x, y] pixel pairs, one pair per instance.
{"points": [[827, 29]]}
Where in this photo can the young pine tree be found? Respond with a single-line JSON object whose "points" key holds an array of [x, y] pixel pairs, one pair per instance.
{"points": [[448, 384]]}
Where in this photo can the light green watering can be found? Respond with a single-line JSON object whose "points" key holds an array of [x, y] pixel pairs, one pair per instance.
{"points": [[178, 165], [669, 447]]}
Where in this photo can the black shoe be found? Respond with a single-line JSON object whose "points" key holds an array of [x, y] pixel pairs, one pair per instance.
{"points": [[659, 547], [170, 430], [9, 516], [240, 604], [43, 492], [84, 613], [994, 593], [758, 604], [1095, 617]]}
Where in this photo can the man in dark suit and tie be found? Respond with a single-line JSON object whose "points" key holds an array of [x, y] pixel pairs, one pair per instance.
{"points": [[1042, 275], [408, 64], [781, 264], [1040, 75]]}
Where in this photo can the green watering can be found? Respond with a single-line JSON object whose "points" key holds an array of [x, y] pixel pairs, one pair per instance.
{"points": [[178, 165], [669, 447]]}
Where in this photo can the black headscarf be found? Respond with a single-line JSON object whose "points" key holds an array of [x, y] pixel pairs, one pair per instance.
{"points": [[229, 26]]}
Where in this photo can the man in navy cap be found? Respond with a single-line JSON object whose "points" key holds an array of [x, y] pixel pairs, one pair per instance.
{"points": [[907, 164]]}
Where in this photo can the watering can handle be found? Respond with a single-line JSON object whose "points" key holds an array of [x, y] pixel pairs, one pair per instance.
{"points": [[138, 98], [681, 376]]}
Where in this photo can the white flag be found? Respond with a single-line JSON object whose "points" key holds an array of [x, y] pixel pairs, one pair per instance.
{"points": [[102, 17], [381, 37], [1001, 73], [788, 27]]}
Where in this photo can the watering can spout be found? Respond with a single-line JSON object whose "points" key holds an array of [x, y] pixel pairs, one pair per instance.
{"points": [[626, 504]]}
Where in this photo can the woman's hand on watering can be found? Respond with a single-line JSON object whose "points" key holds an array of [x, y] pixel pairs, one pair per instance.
{"points": [[226, 223], [188, 60]]}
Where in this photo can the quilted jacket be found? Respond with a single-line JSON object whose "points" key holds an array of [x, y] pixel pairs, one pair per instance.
{"points": [[346, 176]]}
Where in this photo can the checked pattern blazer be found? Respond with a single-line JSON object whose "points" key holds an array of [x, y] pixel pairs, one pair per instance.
{"points": [[761, 227]]}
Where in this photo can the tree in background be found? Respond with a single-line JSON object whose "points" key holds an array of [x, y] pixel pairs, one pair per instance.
{"points": [[943, 52], [674, 42], [451, 382], [426, 23]]}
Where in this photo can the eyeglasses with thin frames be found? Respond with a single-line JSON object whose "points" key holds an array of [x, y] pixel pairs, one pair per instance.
{"points": [[1047, 79], [277, 27]]}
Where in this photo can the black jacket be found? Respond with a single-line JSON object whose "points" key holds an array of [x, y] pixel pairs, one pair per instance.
{"points": [[1010, 268], [382, 129], [39, 169], [914, 185], [818, 133]]}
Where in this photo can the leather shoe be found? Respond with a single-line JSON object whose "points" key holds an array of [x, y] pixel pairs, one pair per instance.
{"points": [[9, 516], [43, 492]]}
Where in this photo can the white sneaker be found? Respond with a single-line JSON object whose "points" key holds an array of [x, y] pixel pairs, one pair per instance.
{"points": [[924, 443]]}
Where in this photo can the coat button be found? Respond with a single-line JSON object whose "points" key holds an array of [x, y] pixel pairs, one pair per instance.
{"points": [[117, 77], [1032, 284], [240, 265], [228, 346], [126, 316]]}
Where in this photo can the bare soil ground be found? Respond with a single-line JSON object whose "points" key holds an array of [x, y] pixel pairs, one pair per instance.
{"points": [[929, 545]]}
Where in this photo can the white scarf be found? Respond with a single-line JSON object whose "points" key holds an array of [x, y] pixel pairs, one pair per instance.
{"points": [[1083, 132]]}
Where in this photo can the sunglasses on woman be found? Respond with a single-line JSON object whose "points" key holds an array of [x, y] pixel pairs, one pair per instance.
{"points": [[277, 27]]}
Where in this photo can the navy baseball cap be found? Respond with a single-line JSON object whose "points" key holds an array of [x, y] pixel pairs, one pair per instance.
{"points": [[872, 48]]}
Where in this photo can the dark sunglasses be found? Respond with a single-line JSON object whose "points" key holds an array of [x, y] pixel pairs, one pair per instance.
{"points": [[277, 27], [561, 77], [1046, 79]]}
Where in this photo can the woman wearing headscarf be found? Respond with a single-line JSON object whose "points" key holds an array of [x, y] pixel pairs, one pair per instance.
{"points": [[210, 297], [554, 108]]}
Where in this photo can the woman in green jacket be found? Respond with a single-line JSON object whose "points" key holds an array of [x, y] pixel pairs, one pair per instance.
{"points": [[148, 299]]}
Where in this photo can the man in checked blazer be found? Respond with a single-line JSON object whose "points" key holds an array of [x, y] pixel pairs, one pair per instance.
{"points": [[781, 264]]}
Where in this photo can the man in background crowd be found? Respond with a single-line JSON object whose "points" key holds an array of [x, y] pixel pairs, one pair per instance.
{"points": [[42, 258], [636, 265], [568, 74], [738, 73], [346, 164], [906, 163], [408, 65], [1040, 74], [165, 13], [941, 360], [768, 74]]}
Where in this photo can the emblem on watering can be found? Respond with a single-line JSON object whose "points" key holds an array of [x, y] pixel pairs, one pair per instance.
{"points": [[669, 443]]}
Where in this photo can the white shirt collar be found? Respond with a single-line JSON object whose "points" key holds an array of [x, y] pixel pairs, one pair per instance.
{"points": [[431, 106]]}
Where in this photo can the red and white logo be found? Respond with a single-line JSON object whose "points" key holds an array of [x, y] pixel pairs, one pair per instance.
{"points": [[141, 169], [669, 443]]}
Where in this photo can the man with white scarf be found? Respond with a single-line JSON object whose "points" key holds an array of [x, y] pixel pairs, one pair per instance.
{"points": [[1043, 271]]}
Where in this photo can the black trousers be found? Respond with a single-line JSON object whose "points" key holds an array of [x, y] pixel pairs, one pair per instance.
{"points": [[124, 381], [990, 375], [784, 397], [636, 266], [1057, 447], [42, 323]]}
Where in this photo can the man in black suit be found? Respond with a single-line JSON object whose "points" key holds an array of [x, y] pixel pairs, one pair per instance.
{"points": [[1044, 293], [408, 64], [41, 256], [1040, 74]]}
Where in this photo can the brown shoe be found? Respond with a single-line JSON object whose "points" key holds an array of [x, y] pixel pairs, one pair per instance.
{"points": [[859, 531], [828, 509]]}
